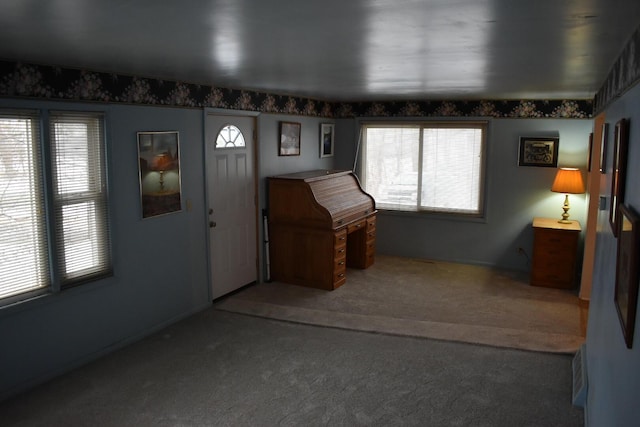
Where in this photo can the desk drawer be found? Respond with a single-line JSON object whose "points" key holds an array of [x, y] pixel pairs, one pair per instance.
{"points": [[553, 238], [340, 238], [358, 225]]}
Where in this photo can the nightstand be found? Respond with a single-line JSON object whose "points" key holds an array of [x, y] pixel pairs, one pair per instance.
{"points": [[555, 251]]}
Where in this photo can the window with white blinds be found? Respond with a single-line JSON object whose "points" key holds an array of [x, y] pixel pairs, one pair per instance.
{"points": [[23, 234], [54, 207], [79, 195], [437, 167]]}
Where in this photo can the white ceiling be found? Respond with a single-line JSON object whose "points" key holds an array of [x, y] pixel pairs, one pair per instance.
{"points": [[337, 50]]}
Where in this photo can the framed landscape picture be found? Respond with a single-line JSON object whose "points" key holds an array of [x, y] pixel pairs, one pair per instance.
{"points": [[289, 139], [326, 139]]}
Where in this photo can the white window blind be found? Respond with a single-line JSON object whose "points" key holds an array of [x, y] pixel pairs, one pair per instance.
{"points": [[23, 249], [425, 166], [53, 208], [80, 196], [451, 169]]}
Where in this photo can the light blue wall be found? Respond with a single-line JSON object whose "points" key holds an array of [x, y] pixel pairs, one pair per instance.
{"points": [[160, 263], [270, 163], [515, 195], [160, 270], [613, 371]]}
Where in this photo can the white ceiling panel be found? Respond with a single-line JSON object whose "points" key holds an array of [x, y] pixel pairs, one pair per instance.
{"points": [[335, 49]]}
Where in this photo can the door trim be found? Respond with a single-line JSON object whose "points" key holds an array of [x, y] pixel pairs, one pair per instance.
{"points": [[254, 140]]}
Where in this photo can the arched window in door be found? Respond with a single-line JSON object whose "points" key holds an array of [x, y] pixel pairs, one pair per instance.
{"points": [[230, 137]]}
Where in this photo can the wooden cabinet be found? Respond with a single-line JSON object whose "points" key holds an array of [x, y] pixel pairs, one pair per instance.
{"points": [[555, 252], [320, 223]]}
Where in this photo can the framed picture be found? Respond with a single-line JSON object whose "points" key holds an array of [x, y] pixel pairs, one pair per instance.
{"points": [[618, 174], [626, 291], [539, 152], [603, 148], [326, 139], [159, 166], [589, 153], [289, 139]]}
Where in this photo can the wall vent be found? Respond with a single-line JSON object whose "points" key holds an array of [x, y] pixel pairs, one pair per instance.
{"points": [[579, 366]]}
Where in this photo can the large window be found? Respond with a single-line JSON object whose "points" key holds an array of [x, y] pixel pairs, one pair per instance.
{"points": [[53, 202], [436, 167]]}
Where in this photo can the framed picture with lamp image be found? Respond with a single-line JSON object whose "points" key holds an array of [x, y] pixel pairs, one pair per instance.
{"points": [[159, 167]]}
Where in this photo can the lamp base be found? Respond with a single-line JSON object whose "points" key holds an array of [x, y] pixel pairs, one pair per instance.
{"points": [[565, 208]]}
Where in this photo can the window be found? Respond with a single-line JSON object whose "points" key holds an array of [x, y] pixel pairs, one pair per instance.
{"points": [[230, 137], [53, 203], [435, 167]]}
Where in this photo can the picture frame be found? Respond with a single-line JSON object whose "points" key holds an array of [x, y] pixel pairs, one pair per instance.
{"points": [[590, 152], [289, 139], [603, 148], [619, 171], [627, 261], [159, 173], [542, 152], [326, 139]]}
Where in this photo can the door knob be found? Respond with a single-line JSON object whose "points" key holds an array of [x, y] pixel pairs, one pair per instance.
{"points": [[212, 224]]}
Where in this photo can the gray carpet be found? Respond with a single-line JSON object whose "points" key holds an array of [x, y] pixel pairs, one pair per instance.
{"points": [[429, 299], [224, 369]]}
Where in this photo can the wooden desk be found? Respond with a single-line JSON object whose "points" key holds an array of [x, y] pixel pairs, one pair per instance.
{"points": [[320, 223]]}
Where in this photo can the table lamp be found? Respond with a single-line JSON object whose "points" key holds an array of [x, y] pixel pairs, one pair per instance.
{"points": [[162, 162], [568, 181]]}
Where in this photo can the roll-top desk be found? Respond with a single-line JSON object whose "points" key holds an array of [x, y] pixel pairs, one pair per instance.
{"points": [[320, 223]]}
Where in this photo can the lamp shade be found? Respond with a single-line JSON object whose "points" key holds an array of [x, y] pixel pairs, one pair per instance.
{"points": [[162, 162], [568, 181]]}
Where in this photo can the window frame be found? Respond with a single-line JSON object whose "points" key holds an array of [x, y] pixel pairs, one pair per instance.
{"points": [[51, 205], [361, 158]]}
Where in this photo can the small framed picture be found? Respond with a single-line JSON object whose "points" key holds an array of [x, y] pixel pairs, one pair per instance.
{"points": [[289, 139], [538, 152], [618, 177], [326, 139], [603, 148], [627, 260], [159, 167]]}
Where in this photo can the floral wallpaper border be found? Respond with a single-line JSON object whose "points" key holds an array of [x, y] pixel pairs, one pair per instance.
{"points": [[623, 75], [19, 79]]}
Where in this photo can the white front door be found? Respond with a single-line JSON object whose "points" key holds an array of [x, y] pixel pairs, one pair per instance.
{"points": [[231, 194]]}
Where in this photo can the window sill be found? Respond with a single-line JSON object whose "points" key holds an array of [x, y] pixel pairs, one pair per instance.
{"points": [[427, 215]]}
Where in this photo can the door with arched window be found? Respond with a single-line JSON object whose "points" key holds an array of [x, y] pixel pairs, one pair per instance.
{"points": [[231, 196]]}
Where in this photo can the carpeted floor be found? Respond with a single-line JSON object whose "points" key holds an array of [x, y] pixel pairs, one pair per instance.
{"points": [[219, 368], [430, 299], [225, 369]]}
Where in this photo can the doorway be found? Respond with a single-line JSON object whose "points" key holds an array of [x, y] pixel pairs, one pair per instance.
{"points": [[232, 208]]}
